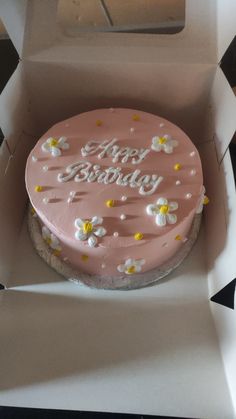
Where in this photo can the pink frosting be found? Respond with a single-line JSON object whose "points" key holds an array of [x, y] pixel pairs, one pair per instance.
{"points": [[158, 243]]}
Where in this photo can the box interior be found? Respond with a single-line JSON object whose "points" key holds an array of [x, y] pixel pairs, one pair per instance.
{"points": [[142, 348]]}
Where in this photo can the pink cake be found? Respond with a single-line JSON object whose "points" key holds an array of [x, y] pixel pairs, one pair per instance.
{"points": [[115, 191]]}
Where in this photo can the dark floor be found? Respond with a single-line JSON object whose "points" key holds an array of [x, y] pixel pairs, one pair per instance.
{"points": [[22, 413]]}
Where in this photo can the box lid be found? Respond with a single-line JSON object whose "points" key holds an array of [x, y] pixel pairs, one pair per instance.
{"points": [[35, 31]]}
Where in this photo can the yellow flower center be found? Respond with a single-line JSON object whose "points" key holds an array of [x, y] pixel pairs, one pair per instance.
{"points": [[164, 209], [53, 142], [87, 227], [162, 140], [48, 240], [98, 122], [136, 117], [178, 237], [84, 258], [131, 269], [138, 236], [110, 203], [206, 200]]}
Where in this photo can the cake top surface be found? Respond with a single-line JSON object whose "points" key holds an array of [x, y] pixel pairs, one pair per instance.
{"points": [[136, 172]]}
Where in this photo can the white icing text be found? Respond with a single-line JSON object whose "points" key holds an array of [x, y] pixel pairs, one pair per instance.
{"points": [[83, 171], [108, 148]]}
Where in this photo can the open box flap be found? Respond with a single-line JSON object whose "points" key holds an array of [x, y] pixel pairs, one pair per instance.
{"points": [[44, 33], [13, 14], [209, 28], [226, 28], [223, 103], [196, 43]]}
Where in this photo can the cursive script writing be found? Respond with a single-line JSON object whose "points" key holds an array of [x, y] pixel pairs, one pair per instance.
{"points": [[109, 148], [84, 171]]}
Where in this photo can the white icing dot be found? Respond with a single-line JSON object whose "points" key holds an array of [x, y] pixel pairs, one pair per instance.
{"points": [[116, 234], [123, 198], [162, 124], [193, 172], [103, 265], [111, 109], [45, 200], [164, 245], [65, 259], [123, 217], [132, 129], [192, 154], [34, 159], [45, 168], [185, 239], [188, 196], [69, 200], [72, 193], [178, 182]]}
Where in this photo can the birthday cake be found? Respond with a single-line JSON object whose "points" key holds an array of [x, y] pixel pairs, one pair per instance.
{"points": [[115, 194]]}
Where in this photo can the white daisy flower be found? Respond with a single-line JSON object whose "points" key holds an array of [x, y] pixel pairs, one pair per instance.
{"points": [[164, 143], [51, 239], [54, 146], [89, 230], [204, 200], [131, 266], [163, 211]]}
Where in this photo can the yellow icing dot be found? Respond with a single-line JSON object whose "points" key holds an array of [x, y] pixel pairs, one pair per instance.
{"points": [[162, 140], [110, 203], [87, 227], [178, 237], [98, 122], [38, 188], [131, 269], [138, 236], [84, 258], [136, 117], [56, 252], [48, 240], [53, 142], [206, 200], [164, 209], [177, 166]]}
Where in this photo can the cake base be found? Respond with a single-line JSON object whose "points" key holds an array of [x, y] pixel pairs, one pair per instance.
{"points": [[124, 282]]}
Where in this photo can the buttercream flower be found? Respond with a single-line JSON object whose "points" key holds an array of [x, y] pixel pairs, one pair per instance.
{"points": [[162, 210], [55, 145], [131, 266], [204, 200], [164, 143], [51, 239], [89, 230]]}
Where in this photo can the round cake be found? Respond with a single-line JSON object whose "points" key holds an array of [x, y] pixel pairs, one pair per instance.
{"points": [[115, 192]]}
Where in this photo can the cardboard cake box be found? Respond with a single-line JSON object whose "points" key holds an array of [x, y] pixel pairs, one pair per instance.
{"points": [[163, 350]]}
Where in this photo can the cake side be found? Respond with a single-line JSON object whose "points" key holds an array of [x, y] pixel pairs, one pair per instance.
{"points": [[120, 176]]}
